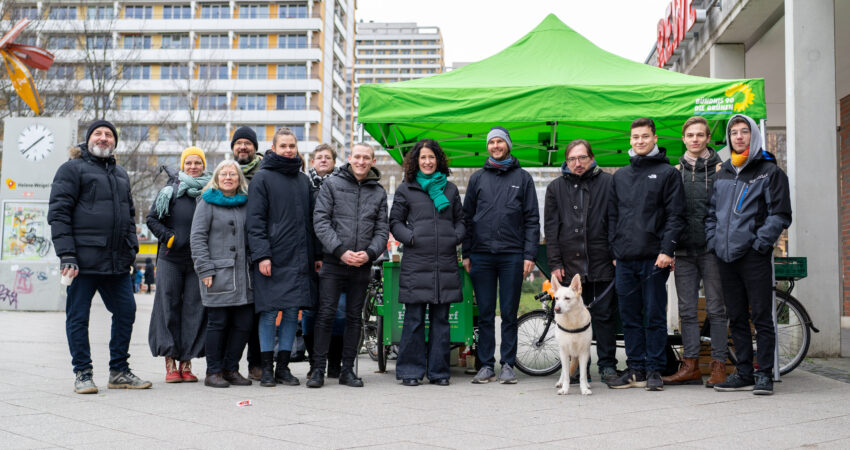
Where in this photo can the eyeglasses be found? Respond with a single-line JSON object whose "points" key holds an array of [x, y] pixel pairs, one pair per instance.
{"points": [[743, 132], [228, 175], [582, 158]]}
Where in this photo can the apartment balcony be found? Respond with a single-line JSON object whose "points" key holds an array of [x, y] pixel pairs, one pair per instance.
{"points": [[201, 55], [262, 25], [269, 117]]}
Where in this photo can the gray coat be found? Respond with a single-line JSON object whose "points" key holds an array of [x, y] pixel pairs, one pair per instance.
{"points": [[219, 250]]}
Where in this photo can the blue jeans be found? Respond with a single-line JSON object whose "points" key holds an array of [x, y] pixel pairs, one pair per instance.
{"points": [[414, 355], [116, 291], [308, 319], [285, 332], [488, 271], [643, 311]]}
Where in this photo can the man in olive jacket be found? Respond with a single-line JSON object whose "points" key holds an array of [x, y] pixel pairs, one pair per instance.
{"points": [[350, 220], [91, 218], [576, 229]]}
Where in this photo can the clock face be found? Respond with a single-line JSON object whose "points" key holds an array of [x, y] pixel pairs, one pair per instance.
{"points": [[35, 142]]}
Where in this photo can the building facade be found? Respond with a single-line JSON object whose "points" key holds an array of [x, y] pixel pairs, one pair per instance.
{"points": [[795, 46]]}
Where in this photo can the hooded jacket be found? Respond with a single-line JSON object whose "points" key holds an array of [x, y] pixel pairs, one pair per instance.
{"points": [[646, 207], [279, 226], [749, 207], [500, 212], [698, 180], [351, 215], [576, 224], [91, 214]]}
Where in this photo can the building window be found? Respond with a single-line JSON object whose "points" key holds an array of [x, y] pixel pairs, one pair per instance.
{"points": [[177, 133], [176, 12], [135, 103], [214, 41], [212, 71], [253, 41], [137, 41], [215, 11], [63, 12], [137, 72], [217, 102], [173, 72], [62, 42], [101, 102], [173, 102], [298, 130], [98, 42], [61, 72], [175, 41], [100, 12], [134, 132], [98, 72], [251, 102], [212, 133], [28, 12], [260, 130], [252, 72], [292, 10], [291, 101], [291, 72], [292, 41], [138, 12], [253, 11]]}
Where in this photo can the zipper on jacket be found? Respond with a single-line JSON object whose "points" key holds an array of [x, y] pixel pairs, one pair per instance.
{"points": [[436, 257], [741, 198], [729, 216], [357, 218], [116, 230], [584, 231]]}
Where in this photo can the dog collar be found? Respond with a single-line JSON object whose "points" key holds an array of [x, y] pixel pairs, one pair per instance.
{"points": [[574, 330]]}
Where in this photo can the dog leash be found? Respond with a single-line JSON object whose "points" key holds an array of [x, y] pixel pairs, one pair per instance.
{"points": [[599, 297]]}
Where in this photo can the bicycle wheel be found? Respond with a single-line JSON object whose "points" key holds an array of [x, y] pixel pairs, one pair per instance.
{"points": [[370, 329], [381, 350], [793, 334], [533, 358]]}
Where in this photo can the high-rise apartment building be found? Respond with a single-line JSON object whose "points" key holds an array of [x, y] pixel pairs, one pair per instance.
{"points": [[389, 52], [176, 73]]}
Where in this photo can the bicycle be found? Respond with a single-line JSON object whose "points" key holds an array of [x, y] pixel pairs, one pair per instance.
{"points": [[538, 352]]}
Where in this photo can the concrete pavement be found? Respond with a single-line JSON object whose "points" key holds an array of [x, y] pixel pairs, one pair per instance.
{"points": [[38, 408]]}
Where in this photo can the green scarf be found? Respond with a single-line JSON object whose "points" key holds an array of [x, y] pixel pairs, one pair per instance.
{"points": [[188, 185], [247, 168], [434, 185]]}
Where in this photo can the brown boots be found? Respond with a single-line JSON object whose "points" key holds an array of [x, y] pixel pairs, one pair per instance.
{"points": [[718, 373], [688, 374]]}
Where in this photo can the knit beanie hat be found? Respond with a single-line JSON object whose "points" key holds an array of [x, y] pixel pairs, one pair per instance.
{"points": [[192, 151], [500, 133], [244, 133], [101, 123]]}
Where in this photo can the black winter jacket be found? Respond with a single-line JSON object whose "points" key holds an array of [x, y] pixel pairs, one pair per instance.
{"points": [[646, 209], [429, 269], [279, 227], [351, 215], [501, 213], [177, 223], [576, 224], [698, 181], [91, 214]]}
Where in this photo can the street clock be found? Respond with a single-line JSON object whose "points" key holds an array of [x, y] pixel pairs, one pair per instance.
{"points": [[36, 142]]}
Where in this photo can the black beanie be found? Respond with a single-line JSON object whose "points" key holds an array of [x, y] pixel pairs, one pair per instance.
{"points": [[101, 123], [245, 133]]}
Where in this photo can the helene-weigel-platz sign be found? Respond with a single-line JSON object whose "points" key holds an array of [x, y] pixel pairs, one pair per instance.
{"points": [[33, 149]]}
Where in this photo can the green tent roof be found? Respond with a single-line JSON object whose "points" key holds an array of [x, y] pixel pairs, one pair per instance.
{"points": [[548, 88]]}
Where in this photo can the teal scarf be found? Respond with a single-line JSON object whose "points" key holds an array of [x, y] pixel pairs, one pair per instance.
{"points": [[216, 197], [188, 185], [434, 185]]}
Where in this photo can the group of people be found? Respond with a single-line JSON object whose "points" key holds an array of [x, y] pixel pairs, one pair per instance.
{"points": [[247, 248]]}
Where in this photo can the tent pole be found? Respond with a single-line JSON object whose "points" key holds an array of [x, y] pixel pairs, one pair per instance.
{"points": [[554, 144]]}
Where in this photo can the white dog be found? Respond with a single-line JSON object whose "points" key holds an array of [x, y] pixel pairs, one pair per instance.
{"points": [[574, 334]]}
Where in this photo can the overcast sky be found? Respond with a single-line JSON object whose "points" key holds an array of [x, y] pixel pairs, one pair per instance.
{"points": [[475, 29]]}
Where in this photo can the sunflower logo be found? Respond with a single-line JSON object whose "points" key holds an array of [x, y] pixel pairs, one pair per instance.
{"points": [[744, 90]]}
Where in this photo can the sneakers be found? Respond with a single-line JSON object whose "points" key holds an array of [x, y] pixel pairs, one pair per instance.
{"points": [[507, 375], [653, 381], [484, 376], [84, 383], [126, 380], [606, 373], [631, 378], [764, 384], [736, 382]]}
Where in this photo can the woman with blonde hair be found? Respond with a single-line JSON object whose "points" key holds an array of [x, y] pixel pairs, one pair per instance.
{"points": [[178, 321], [219, 252]]}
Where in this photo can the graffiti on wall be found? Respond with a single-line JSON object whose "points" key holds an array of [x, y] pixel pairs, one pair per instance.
{"points": [[26, 234]]}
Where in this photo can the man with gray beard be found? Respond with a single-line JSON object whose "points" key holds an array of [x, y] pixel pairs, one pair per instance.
{"points": [[91, 218]]}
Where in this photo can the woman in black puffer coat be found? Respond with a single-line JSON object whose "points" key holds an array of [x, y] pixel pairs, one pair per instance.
{"points": [[427, 218]]}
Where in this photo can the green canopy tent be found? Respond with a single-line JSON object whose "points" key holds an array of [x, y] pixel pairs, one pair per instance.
{"points": [[548, 88]]}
